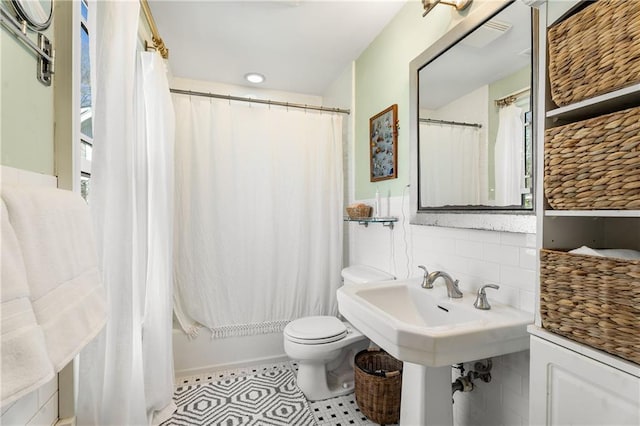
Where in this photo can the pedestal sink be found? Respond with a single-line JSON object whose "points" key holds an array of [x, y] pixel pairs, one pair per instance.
{"points": [[429, 332]]}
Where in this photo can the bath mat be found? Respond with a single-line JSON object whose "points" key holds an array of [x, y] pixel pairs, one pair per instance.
{"points": [[270, 398]]}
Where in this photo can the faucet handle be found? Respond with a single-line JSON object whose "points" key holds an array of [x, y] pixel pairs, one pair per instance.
{"points": [[425, 283], [455, 291], [481, 301]]}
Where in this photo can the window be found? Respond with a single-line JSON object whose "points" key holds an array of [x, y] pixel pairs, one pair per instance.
{"points": [[86, 113]]}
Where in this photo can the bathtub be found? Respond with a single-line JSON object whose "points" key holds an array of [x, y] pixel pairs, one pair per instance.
{"points": [[192, 356]]}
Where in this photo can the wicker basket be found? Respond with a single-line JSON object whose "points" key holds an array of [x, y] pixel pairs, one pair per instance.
{"points": [[360, 212], [595, 163], [595, 51], [592, 300], [378, 378]]}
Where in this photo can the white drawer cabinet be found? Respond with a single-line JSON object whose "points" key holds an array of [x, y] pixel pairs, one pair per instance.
{"points": [[569, 388], [571, 383]]}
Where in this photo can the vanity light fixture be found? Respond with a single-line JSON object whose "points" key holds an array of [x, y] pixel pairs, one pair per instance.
{"points": [[458, 4], [254, 77]]}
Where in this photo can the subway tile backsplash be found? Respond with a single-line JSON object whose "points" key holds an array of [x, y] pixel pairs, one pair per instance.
{"points": [[474, 257]]}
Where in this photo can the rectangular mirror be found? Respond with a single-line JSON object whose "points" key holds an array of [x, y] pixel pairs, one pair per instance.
{"points": [[472, 132]]}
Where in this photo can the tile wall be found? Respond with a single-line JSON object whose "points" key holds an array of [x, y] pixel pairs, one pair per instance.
{"points": [[475, 257]]}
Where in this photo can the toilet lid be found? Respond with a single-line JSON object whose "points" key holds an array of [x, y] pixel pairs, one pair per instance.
{"points": [[315, 330]]}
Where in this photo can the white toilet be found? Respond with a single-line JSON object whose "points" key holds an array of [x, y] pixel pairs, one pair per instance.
{"points": [[325, 346]]}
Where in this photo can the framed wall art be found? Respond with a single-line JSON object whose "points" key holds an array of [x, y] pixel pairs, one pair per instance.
{"points": [[383, 144]]}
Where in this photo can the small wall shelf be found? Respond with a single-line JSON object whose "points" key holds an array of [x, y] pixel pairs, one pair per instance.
{"points": [[385, 221]]}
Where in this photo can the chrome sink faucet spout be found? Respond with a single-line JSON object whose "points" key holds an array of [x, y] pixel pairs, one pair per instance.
{"points": [[452, 285]]}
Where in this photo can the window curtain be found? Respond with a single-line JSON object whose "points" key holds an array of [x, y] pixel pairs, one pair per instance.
{"points": [[126, 373], [453, 166], [509, 156], [258, 236]]}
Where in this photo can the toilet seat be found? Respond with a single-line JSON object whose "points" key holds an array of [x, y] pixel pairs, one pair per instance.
{"points": [[315, 330]]}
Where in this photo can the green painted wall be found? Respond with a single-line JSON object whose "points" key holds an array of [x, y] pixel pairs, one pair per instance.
{"points": [[382, 79], [26, 110]]}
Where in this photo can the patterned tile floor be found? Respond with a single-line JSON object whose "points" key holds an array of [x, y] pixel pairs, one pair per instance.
{"points": [[340, 411]]}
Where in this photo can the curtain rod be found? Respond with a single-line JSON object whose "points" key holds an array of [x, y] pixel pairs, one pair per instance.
{"points": [[509, 99], [260, 101], [452, 123], [158, 43]]}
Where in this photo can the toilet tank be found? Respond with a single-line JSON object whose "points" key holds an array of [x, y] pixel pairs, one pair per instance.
{"points": [[360, 274]]}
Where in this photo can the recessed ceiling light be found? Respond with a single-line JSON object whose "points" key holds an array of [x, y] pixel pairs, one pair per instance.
{"points": [[254, 77]]}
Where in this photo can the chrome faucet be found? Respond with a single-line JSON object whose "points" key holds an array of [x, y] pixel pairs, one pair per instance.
{"points": [[425, 284], [452, 285]]}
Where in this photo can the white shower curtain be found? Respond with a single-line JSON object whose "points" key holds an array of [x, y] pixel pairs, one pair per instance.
{"points": [[509, 157], [126, 373], [453, 165], [157, 327], [258, 215]]}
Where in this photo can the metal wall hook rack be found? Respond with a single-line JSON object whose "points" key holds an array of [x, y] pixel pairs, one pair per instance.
{"points": [[43, 48]]}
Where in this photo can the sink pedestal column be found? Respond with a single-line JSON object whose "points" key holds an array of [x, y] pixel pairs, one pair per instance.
{"points": [[426, 396]]}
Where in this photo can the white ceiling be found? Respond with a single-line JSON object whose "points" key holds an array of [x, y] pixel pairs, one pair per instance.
{"points": [[300, 46], [464, 68]]}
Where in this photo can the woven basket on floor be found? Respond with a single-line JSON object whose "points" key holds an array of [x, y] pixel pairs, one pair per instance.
{"points": [[378, 378], [592, 300], [595, 163], [595, 51]]}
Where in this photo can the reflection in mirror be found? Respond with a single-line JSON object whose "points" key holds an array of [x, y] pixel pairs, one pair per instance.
{"points": [[474, 119], [37, 13]]}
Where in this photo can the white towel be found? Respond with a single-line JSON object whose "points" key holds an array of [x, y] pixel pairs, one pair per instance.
{"points": [[25, 362], [626, 254], [54, 231]]}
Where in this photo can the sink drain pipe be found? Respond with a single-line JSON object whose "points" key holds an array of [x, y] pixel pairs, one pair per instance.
{"points": [[464, 383]]}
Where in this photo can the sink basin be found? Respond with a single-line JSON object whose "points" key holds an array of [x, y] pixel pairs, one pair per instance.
{"points": [[430, 332], [425, 327]]}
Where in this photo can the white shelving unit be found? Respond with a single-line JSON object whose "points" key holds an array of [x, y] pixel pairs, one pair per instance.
{"points": [[566, 229], [626, 97], [558, 364], [592, 213]]}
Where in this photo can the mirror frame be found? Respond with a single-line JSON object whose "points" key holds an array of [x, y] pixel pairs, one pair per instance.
{"points": [[474, 218], [24, 15]]}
